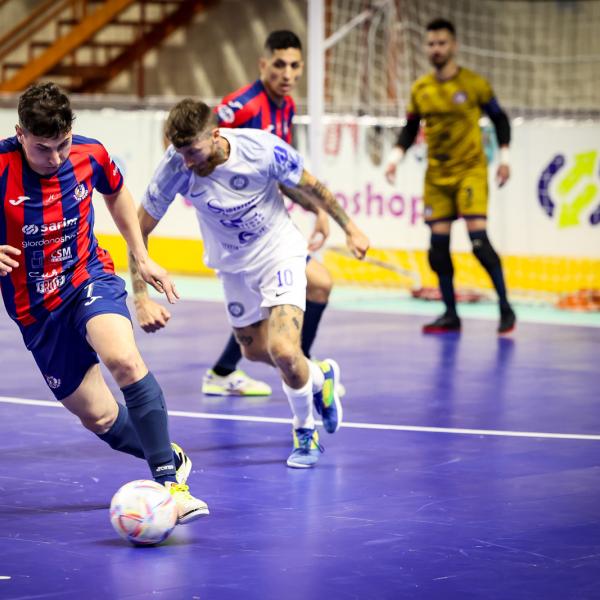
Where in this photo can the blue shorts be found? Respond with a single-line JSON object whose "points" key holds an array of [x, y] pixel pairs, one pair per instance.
{"points": [[59, 344]]}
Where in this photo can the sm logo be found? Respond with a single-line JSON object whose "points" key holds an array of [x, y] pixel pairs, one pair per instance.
{"points": [[568, 189]]}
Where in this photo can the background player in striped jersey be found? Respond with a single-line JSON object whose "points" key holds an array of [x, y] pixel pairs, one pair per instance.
{"points": [[232, 177], [267, 104], [60, 288], [451, 100]]}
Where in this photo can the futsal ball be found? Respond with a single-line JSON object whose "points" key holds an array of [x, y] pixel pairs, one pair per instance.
{"points": [[143, 512]]}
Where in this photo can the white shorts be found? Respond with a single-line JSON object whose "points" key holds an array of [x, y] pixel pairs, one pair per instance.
{"points": [[250, 294]]}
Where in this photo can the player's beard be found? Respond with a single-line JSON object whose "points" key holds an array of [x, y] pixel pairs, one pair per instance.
{"points": [[217, 158], [439, 61]]}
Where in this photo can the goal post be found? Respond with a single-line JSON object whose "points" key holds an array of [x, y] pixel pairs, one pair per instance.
{"points": [[541, 57]]}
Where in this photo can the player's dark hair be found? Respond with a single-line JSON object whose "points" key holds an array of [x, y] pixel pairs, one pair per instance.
{"points": [[282, 40], [438, 24], [45, 111], [186, 120]]}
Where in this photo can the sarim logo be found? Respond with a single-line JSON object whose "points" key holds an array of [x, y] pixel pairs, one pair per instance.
{"points": [[33, 229]]}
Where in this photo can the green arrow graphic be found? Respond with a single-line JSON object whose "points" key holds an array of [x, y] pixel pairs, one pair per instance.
{"points": [[569, 212], [582, 168]]}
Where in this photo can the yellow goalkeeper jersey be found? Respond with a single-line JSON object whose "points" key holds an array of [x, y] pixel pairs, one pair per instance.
{"points": [[451, 110]]}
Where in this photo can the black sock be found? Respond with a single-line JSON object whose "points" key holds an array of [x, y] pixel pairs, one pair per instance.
{"points": [[312, 318], [148, 414], [230, 357], [440, 244], [447, 290], [490, 261]]}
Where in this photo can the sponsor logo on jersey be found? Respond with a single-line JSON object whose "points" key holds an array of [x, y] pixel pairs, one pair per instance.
{"points": [[61, 254], [50, 199], [47, 286], [53, 382], [45, 241], [33, 229], [40, 275], [281, 155], [236, 309], [239, 182], [19, 200], [225, 113], [81, 192]]}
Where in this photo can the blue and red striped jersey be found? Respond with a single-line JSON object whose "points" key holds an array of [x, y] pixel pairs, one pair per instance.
{"points": [[51, 220], [250, 106]]}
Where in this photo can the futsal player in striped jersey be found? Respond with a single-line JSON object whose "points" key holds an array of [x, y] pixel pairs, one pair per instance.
{"points": [[267, 104], [60, 287]]}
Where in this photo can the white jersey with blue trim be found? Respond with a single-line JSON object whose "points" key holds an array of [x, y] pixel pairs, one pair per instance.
{"points": [[240, 209]]}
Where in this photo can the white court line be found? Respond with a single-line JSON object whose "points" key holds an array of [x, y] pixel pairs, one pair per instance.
{"points": [[348, 425]]}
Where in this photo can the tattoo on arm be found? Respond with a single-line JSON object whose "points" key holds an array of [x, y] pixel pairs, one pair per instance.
{"points": [[300, 198], [326, 200]]}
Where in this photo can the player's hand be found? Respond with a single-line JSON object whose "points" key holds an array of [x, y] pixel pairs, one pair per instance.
{"points": [[390, 173], [151, 315], [158, 278], [502, 174], [320, 232], [357, 242], [7, 264]]}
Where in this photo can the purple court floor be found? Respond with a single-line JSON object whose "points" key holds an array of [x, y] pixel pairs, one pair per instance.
{"points": [[468, 467]]}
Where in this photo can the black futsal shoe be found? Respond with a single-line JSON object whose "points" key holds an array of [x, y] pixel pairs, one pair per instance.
{"points": [[447, 323], [508, 320]]}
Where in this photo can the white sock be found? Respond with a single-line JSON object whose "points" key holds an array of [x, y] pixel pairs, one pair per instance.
{"points": [[317, 376], [301, 404]]}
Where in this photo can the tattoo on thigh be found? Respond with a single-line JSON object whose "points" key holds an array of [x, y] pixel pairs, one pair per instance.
{"points": [[245, 340]]}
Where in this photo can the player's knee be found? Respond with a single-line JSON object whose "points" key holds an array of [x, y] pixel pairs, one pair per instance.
{"points": [[99, 422], [439, 257], [253, 353], [125, 366], [483, 250], [285, 355], [319, 284]]}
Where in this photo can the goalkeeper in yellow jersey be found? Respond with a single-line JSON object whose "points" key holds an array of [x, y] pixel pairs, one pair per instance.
{"points": [[451, 100]]}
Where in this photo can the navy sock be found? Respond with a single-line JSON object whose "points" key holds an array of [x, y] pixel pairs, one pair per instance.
{"points": [[148, 414], [122, 435], [230, 357], [312, 318]]}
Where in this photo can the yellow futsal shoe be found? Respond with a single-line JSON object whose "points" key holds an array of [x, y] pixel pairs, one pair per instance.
{"points": [[234, 384], [183, 460], [188, 508]]}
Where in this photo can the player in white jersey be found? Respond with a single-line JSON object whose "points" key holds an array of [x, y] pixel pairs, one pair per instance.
{"points": [[232, 177]]}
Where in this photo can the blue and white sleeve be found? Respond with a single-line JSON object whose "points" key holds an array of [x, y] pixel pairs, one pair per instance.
{"points": [[170, 178], [285, 163]]}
